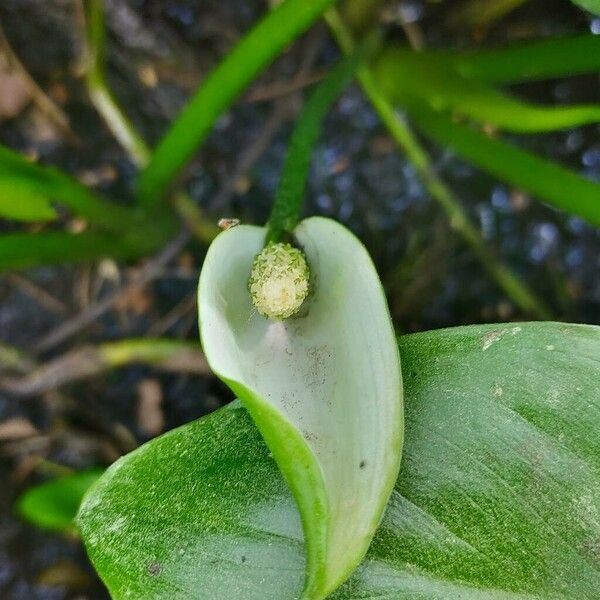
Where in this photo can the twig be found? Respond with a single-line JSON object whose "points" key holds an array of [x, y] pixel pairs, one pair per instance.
{"points": [[39, 97], [251, 154], [278, 89], [515, 289], [88, 361], [152, 269], [38, 293], [187, 305]]}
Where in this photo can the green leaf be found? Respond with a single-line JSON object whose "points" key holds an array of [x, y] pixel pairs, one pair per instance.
{"points": [[529, 61], [445, 90], [324, 388], [25, 250], [498, 497], [20, 203], [251, 55], [54, 504], [551, 182], [592, 5], [47, 182]]}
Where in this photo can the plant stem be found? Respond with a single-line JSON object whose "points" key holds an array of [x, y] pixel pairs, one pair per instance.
{"points": [[100, 92], [122, 128], [292, 184], [515, 289]]}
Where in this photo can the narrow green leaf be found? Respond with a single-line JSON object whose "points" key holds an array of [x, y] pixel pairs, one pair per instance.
{"points": [[294, 175], [324, 388], [54, 504], [498, 497], [252, 54], [19, 203], [550, 182], [443, 89], [24, 250], [51, 183], [529, 61]]}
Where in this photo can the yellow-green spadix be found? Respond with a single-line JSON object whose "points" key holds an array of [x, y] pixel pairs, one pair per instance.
{"points": [[323, 387]]}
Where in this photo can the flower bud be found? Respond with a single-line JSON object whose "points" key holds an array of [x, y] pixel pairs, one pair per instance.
{"points": [[279, 281]]}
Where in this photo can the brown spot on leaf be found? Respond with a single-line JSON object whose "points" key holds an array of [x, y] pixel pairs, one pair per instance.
{"points": [[154, 569]]}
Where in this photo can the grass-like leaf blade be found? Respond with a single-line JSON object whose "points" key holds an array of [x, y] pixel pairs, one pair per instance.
{"points": [[527, 61], [25, 250], [47, 182], [252, 54], [445, 90], [592, 5], [548, 181], [19, 202]]}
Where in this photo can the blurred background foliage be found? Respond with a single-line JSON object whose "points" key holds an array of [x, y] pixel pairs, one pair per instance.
{"points": [[466, 156]]}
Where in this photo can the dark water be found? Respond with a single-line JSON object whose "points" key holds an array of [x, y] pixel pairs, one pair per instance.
{"points": [[432, 280]]}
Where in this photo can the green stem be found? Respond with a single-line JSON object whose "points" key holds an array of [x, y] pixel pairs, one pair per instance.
{"points": [[120, 125], [290, 192], [159, 352], [100, 92], [515, 289], [252, 54]]}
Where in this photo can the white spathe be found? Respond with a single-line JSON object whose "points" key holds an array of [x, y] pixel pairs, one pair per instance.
{"points": [[324, 388]]}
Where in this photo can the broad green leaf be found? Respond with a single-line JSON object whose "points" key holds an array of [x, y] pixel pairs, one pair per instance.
{"points": [[498, 497], [551, 182], [592, 5], [324, 388], [19, 203], [54, 504], [445, 90], [252, 54]]}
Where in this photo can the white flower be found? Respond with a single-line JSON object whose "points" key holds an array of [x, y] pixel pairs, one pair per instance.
{"points": [[279, 281]]}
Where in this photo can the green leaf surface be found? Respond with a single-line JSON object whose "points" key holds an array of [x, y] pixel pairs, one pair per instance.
{"points": [[25, 250], [47, 182], [528, 61], [550, 182], [255, 51], [445, 90], [19, 203], [592, 5], [53, 505], [498, 497], [324, 388]]}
